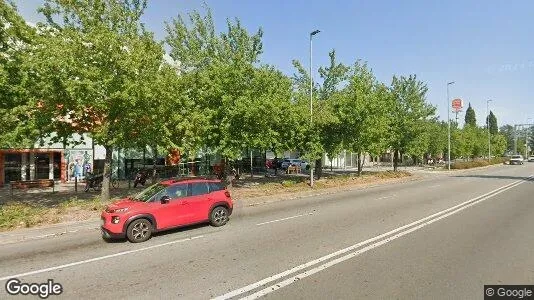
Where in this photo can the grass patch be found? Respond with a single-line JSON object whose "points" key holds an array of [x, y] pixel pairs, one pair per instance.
{"points": [[477, 163], [86, 204], [26, 214], [288, 183], [20, 215]]}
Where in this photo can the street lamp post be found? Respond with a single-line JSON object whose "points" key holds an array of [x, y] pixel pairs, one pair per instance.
{"points": [[527, 137], [488, 126], [311, 97], [449, 131]]}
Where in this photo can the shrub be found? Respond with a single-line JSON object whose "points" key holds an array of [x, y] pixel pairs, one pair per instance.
{"points": [[476, 163]]}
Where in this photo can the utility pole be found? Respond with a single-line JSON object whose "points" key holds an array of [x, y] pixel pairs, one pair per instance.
{"points": [[489, 132], [515, 139], [311, 97], [449, 122]]}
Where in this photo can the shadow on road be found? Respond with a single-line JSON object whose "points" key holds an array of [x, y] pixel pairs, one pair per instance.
{"points": [[495, 177], [180, 229]]}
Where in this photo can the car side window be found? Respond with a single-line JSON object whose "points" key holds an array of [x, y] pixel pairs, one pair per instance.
{"points": [[176, 191], [215, 186], [199, 188]]}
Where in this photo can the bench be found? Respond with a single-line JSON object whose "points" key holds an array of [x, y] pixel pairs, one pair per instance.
{"points": [[293, 169], [29, 184]]}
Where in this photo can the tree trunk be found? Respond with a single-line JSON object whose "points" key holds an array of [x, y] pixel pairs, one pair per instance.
{"points": [[251, 165], [107, 174], [395, 160], [154, 159], [319, 168], [359, 163]]}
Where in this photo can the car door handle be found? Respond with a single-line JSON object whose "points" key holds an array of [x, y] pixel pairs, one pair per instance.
{"points": [[184, 203]]}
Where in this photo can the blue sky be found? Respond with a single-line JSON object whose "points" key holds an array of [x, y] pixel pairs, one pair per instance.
{"points": [[486, 47]]}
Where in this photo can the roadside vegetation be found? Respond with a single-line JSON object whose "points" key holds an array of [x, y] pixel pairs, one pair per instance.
{"points": [[93, 68], [477, 163], [25, 211]]}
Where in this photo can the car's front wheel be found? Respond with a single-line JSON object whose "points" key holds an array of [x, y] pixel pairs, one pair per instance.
{"points": [[219, 216], [139, 231]]}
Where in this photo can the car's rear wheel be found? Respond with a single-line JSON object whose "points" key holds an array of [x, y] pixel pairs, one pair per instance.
{"points": [[219, 216], [139, 231]]}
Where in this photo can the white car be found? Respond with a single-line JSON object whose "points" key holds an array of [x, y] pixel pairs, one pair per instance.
{"points": [[294, 162], [516, 160], [531, 159]]}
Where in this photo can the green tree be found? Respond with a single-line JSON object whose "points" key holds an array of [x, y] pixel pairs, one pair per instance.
{"points": [[498, 145], [362, 111], [409, 115], [320, 137], [196, 45], [241, 105], [96, 71], [437, 138], [17, 129], [508, 132], [492, 120], [470, 117]]}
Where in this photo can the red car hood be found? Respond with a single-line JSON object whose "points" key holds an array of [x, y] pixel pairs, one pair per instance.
{"points": [[124, 203]]}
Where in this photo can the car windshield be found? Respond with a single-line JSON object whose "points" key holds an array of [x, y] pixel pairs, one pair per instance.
{"points": [[147, 194]]}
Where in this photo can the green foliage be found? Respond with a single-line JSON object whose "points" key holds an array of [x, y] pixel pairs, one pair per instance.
{"points": [[498, 145], [362, 111], [16, 40], [508, 132], [437, 138], [477, 163], [237, 105], [321, 136], [196, 45], [492, 120], [470, 117], [410, 114]]}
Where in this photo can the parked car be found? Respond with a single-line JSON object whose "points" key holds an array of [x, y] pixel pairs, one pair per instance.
{"points": [[294, 162], [168, 204], [516, 160], [531, 158]]}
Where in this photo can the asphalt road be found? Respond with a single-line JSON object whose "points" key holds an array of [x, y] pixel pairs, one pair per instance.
{"points": [[442, 238]]}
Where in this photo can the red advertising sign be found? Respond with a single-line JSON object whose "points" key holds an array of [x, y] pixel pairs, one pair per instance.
{"points": [[457, 104]]}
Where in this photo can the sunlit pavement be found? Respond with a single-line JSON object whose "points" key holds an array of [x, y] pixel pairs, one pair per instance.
{"points": [[444, 237]]}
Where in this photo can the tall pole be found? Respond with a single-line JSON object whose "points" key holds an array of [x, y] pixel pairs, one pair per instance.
{"points": [[449, 131], [488, 126], [311, 97], [527, 137], [515, 139]]}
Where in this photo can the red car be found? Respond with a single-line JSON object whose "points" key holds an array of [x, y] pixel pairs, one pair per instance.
{"points": [[168, 204]]}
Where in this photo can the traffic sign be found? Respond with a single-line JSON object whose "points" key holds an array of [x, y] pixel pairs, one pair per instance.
{"points": [[457, 104]]}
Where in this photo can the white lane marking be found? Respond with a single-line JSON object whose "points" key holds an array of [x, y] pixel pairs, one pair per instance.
{"points": [[338, 260], [386, 197], [98, 258], [298, 268], [288, 218], [434, 186]]}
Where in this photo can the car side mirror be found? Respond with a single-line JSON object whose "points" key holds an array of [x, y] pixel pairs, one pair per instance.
{"points": [[165, 199]]}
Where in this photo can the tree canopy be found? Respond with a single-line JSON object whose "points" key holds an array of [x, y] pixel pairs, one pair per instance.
{"points": [[470, 117]]}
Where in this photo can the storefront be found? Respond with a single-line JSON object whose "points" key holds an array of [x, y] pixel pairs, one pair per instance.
{"points": [[31, 164]]}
